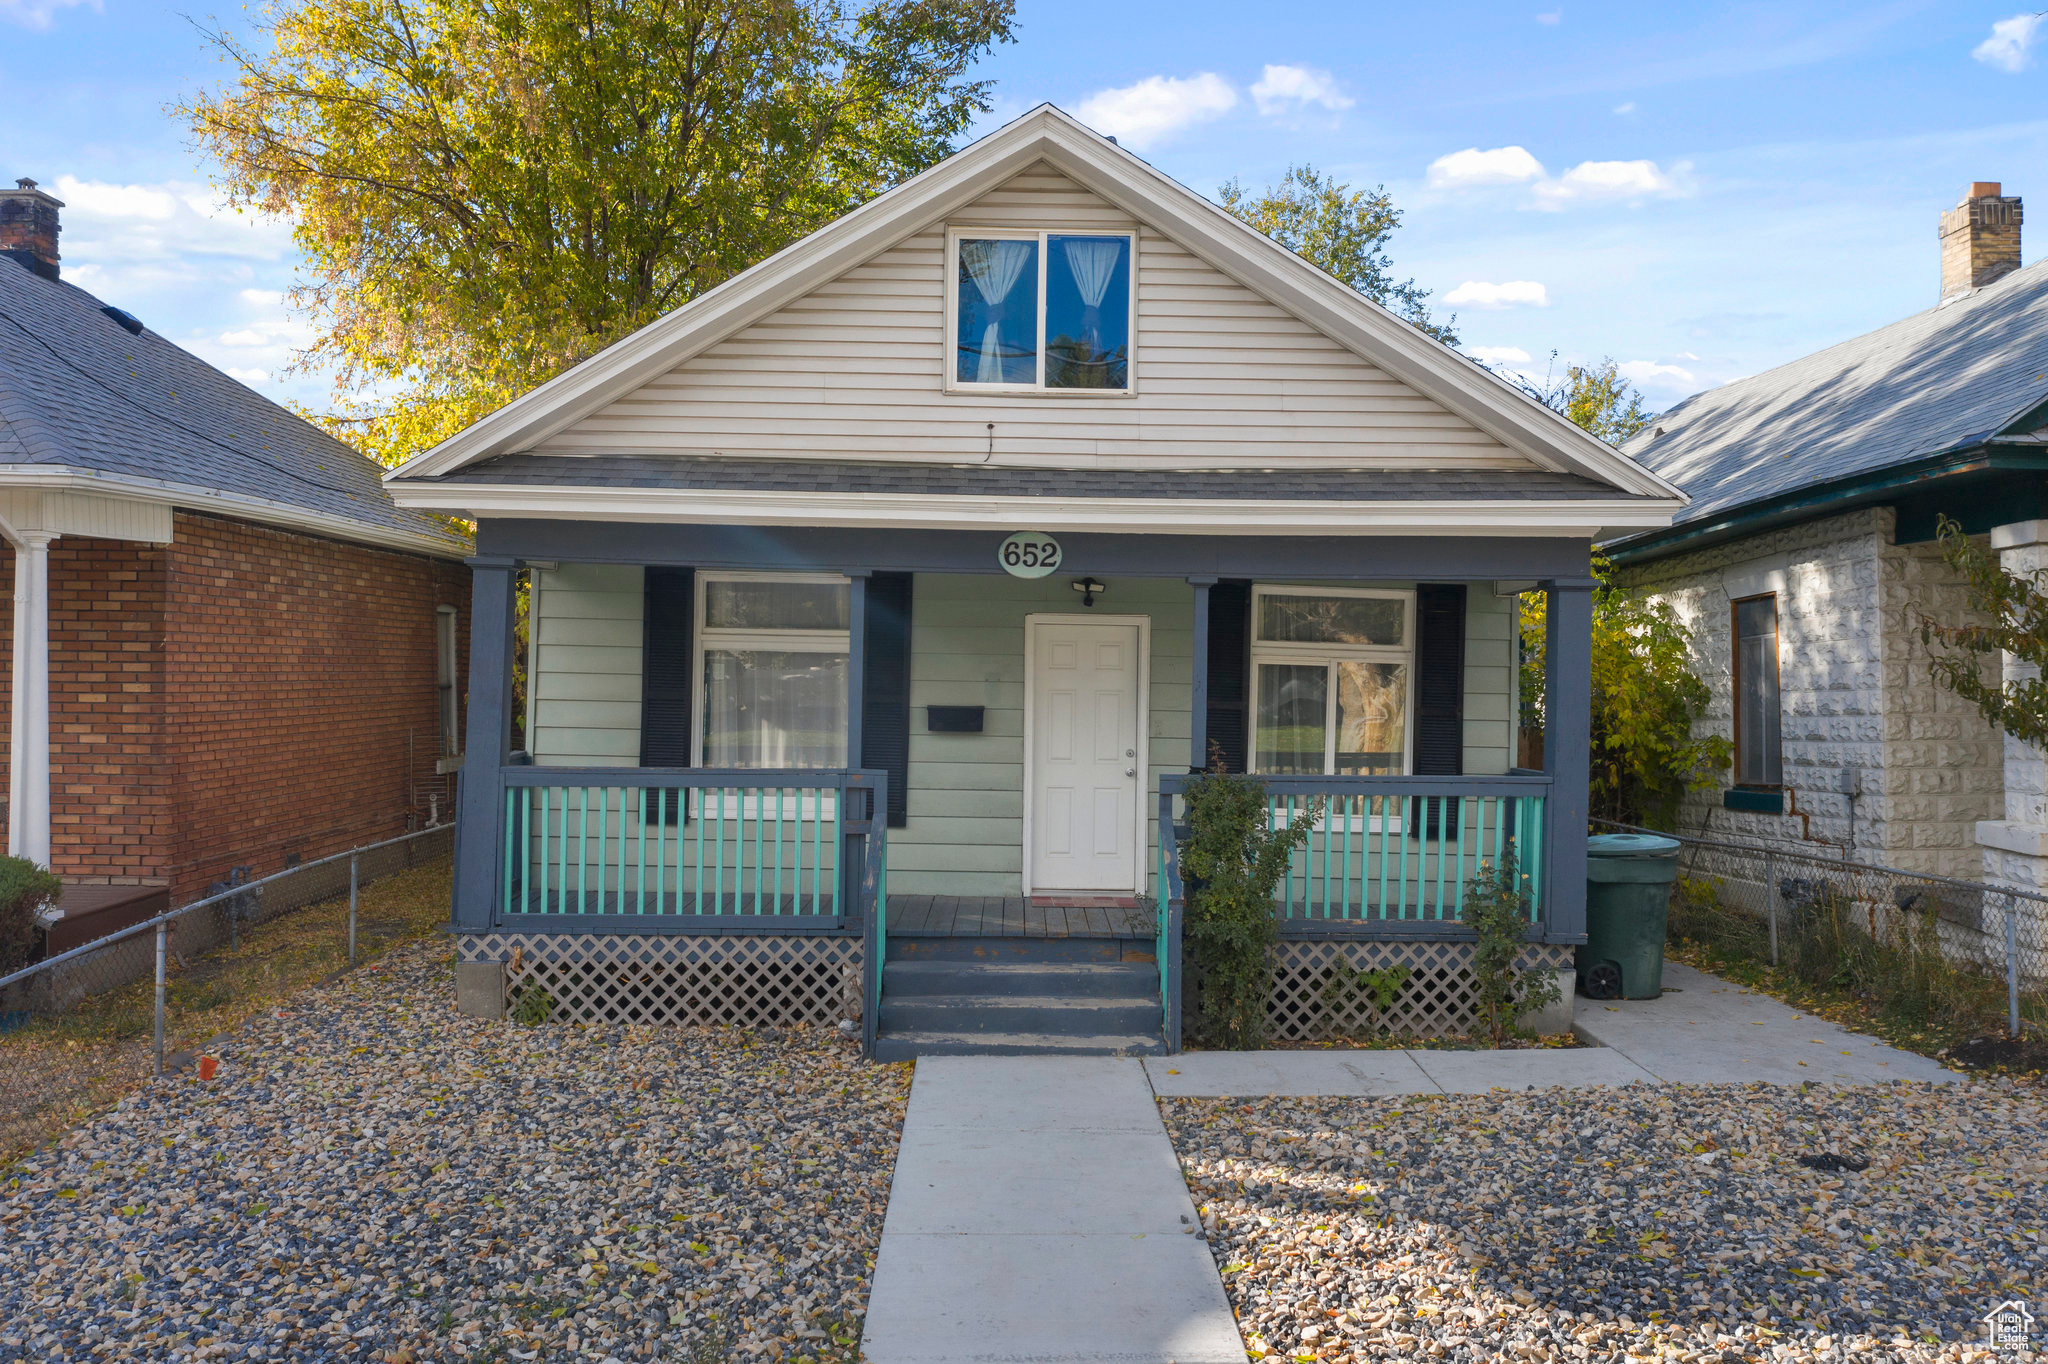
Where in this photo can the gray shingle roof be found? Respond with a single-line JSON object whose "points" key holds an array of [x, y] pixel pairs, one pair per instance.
{"points": [[78, 390], [1937, 381], [974, 480]]}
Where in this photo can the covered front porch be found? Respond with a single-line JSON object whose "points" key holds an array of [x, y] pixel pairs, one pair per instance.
{"points": [[923, 745]]}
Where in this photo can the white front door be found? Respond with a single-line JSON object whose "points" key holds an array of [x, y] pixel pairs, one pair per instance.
{"points": [[1085, 769]]}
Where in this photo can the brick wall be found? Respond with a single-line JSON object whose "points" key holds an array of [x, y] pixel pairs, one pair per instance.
{"points": [[110, 789], [301, 672], [1855, 693]]}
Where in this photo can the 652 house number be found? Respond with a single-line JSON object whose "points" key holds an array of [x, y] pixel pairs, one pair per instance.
{"points": [[1028, 554]]}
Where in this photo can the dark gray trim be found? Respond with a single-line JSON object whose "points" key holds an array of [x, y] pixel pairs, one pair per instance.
{"points": [[1296, 483], [733, 925], [829, 549], [1198, 707], [857, 667], [487, 743], [1567, 753]]}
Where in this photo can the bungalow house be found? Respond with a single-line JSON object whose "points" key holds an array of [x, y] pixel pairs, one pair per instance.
{"points": [[1808, 556], [225, 646], [884, 597]]}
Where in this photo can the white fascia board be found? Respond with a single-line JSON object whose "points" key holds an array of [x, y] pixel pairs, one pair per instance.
{"points": [[1050, 135], [195, 498], [1133, 515]]}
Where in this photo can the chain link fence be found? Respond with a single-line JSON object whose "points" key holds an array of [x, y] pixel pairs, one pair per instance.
{"points": [[1970, 949], [81, 1028]]}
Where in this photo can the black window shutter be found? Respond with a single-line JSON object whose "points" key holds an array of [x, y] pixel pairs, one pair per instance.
{"points": [[885, 689], [1229, 664], [666, 675], [1439, 696]]}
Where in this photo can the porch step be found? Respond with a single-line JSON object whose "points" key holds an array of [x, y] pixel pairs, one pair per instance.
{"points": [[906, 980], [1007, 1008], [910, 1046], [964, 949]]}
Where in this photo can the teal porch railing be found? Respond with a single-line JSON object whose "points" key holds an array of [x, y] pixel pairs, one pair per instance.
{"points": [[1389, 856], [639, 849]]}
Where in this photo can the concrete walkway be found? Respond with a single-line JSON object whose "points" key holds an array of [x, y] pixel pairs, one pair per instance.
{"points": [[1709, 1031], [1038, 1213], [1248, 1074]]}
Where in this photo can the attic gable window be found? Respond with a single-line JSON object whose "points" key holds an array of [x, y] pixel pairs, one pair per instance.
{"points": [[1041, 311]]}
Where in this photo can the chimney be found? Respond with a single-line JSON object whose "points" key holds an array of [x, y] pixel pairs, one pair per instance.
{"points": [[28, 227], [1980, 239]]}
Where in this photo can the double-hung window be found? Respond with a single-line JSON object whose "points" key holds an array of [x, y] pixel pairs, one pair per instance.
{"points": [[1332, 681], [772, 656], [1758, 720], [445, 675], [1039, 311]]}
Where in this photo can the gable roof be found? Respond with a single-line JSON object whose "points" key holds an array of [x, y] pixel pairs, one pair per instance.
{"points": [[86, 404], [1047, 135], [1947, 379]]}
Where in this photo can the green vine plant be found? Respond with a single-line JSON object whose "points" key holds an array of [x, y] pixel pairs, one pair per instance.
{"points": [[1496, 907], [2012, 618], [1232, 859], [1377, 986], [533, 1005]]}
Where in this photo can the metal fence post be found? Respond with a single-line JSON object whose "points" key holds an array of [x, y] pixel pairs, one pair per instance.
{"points": [[2012, 967], [162, 932], [1771, 900], [353, 860]]}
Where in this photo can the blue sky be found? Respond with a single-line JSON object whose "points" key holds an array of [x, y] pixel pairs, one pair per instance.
{"points": [[1698, 191]]}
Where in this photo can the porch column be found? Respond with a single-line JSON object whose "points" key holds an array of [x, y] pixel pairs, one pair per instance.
{"points": [[1567, 753], [28, 785], [1198, 717], [856, 662], [486, 745]]}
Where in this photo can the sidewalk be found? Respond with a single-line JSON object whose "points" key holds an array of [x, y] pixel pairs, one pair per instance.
{"points": [[1038, 1213]]}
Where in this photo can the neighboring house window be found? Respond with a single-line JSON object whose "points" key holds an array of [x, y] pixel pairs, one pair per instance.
{"points": [[771, 653], [445, 672], [1757, 716], [1041, 310], [1331, 681]]}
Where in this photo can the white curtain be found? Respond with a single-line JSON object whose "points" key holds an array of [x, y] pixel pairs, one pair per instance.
{"points": [[994, 267], [1093, 262]]}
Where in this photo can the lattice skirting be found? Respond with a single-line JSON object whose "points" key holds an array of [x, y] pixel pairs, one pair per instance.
{"points": [[769, 979], [1436, 1001]]}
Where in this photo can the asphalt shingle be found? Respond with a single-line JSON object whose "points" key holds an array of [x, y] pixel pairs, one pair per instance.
{"points": [[79, 390], [1938, 381]]}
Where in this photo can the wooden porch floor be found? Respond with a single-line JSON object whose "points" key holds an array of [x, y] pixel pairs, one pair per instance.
{"points": [[1011, 916]]}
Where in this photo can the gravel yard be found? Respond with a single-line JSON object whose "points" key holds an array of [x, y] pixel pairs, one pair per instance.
{"points": [[1665, 1222], [373, 1176]]}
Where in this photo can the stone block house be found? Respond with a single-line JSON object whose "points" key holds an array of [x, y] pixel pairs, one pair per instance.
{"points": [[1807, 559], [224, 644]]}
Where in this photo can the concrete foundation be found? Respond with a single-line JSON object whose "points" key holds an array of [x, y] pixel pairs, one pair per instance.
{"points": [[480, 988], [1556, 1018]]}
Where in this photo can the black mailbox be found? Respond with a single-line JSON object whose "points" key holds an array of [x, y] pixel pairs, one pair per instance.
{"points": [[953, 719]]}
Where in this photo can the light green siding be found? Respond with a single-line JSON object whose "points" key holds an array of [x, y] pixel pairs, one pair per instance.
{"points": [[1489, 682], [966, 830], [584, 704]]}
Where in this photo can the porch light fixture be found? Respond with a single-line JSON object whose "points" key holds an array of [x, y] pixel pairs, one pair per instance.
{"points": [[1088, 588]]}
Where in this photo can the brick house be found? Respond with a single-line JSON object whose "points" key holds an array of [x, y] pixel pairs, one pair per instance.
{"points": [[225, 646], [1808, 556]]}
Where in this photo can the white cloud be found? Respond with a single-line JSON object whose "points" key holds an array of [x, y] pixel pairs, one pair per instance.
{"points": [[247, 336], [1477, 293], [1650, 374], [1628, 108], [262, 298], [1609, 180], [1555, 16], [1500, 166], [1498, 355], [1158, 107], [128, 229], [252, 377], [2010, 46], [39, 15], [1283, 88]]}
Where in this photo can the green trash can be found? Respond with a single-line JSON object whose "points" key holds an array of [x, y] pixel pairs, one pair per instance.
{"points": [[1628, 899]]}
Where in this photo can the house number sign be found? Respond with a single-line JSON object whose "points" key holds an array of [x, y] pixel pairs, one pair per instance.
{"points": [[1029, 554]]}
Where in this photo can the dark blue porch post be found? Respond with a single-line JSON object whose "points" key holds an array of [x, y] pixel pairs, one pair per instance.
{"points": [[477, 848], [1198, 709], [1567, 753], [852, 869]]}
